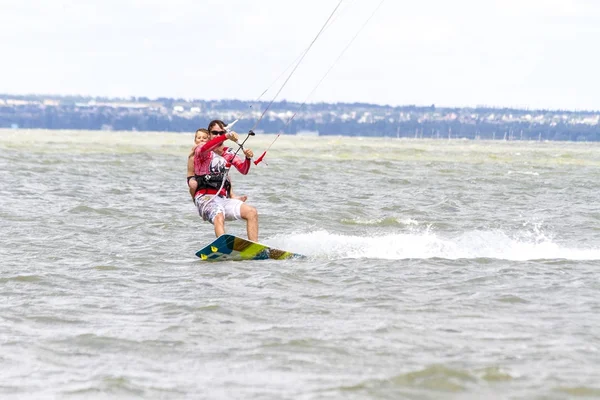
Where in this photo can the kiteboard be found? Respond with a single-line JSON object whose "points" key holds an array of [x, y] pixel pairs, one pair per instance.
{"points": [[232, 248]]}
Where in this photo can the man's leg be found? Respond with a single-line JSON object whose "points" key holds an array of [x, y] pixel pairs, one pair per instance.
{"points": [[250, 214], [219, 223]]}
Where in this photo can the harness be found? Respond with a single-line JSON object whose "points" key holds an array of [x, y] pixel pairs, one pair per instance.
{"points": [[213, 181]]}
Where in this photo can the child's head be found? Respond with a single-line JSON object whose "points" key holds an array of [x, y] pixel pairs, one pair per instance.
{"points": [[201, 136]]}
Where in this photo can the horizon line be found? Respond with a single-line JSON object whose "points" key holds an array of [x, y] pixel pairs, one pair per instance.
{"points": [[189, 99]]}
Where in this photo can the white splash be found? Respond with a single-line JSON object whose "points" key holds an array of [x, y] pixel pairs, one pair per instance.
{"points": [[474, 244]]}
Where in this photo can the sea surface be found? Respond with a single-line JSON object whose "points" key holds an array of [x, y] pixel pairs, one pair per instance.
{"points": [[435, 269]]}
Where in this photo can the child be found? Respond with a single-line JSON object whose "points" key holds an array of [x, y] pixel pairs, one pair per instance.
{"points": [[200, 137]]}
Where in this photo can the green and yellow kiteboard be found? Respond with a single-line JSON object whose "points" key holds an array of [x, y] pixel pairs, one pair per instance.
{"points": [[233, 248]]}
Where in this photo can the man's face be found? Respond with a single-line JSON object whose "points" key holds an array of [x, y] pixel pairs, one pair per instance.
{"points": [[217, 131]]}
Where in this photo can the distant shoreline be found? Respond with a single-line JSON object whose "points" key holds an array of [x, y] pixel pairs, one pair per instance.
{"points": [[323, 119]]}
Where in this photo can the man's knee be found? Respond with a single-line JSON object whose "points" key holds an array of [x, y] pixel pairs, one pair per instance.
{"points": [[249, 212], [219, 219]]}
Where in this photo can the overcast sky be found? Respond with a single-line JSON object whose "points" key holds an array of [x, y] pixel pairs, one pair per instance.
{"points": [[502, 53]]}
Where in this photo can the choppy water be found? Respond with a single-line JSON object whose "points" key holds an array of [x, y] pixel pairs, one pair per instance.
{"points": [[436, 269]]}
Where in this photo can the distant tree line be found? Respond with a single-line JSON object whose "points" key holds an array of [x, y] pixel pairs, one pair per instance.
{"points": [[68, 115]]}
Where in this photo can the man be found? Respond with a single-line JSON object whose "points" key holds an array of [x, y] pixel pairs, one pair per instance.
{"points": [[211, 163]]}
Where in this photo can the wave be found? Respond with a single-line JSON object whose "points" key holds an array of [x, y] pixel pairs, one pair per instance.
{"points": [[493, 244]]}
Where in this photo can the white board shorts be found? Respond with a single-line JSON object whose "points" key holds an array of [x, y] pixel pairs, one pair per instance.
{"points": [[209, 206]]}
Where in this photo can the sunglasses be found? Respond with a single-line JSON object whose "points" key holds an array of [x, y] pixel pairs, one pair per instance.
{"points": [[218, 132]]}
